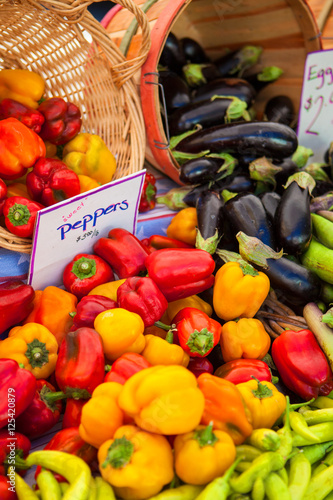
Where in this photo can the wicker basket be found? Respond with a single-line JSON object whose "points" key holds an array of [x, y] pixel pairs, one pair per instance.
{"points": [[69, 48]]}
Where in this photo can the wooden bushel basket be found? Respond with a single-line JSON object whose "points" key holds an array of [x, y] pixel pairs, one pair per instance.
{"points": [[285, 29], [68, 47]]}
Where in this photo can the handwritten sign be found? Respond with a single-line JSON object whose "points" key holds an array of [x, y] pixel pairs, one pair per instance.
{"points": [[316, 107], [73, 226]]}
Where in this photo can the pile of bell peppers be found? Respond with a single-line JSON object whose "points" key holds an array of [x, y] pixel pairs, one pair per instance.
{"points": [[148, 379]]}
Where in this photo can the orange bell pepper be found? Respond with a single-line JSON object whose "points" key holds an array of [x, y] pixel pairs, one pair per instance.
{"points": [[246, 338], [101, 415], [225, 407], [52, 308], [183, 226], [20, 148]]}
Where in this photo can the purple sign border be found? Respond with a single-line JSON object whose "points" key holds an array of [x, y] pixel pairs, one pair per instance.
{"points": [[79, 197]]}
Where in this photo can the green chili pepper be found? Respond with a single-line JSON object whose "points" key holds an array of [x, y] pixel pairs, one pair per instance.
{"points": [[243, 465], [184, 492], [323, 431], [286, 435], [267, 462], [299, 476], [104, 490], [320, 485], [23, 490], [300, 426], [276, 488], [323, 402], [313, 417], [258, 490], [48, 486], [283, 475], [264, 439], [72, 468], [322, 466], [64, 487], [329, 496], [220, 486], [247, 452], [316, 452]]}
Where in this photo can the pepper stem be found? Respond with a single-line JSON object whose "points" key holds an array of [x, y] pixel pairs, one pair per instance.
{"points": [[201, 342], [206, 436], [84, 268], [159, 324], [119, 453], [19, 214], [37, 354], [262, 391]]}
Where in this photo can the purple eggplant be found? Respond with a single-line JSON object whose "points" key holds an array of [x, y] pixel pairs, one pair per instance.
{"points": [[236, 87], [209, 208], [261, 79], [197, 75], [280, 109], [172, 56], [273, 140], [176, 91], [193, 51], [200, 170], [292, 221], [237, 61], [270, 200]]}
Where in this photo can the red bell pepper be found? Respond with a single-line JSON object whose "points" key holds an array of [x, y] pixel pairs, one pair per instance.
{"points": [[3, 195], [7, 490], [85, 272], [80, 363], [142, 296], [148, 195], [42, 413], [16, 303], [18, 387], [157, 241], [125, 366], [51, 181], [123, 251], [181, 272], [241, 370], [301, 364], [30, 117], [147, 246], [62, 120], [73, 411], [200, 365], [14, 448], [197, 333], [20, 215], [69, 441], [88, 308]]}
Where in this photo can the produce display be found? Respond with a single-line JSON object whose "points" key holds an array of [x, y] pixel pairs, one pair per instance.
{"points": [[192, 365]]}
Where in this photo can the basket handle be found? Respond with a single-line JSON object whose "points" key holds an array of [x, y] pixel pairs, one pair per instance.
{"points": [[75, 11]]}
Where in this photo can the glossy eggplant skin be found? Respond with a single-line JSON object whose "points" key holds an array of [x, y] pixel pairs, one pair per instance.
{"points": [[270, 200], [292, 221], [193, 51], [237, 183], [192, 196], [209, 208], [273, 140], [172, 56], [200, 170], [236, 87], [206, 113], [245, 212], [297, 283], [289, 167], [176, 90], [280, 109]]}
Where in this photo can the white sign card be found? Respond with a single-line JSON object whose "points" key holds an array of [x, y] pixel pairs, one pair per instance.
{"points": [[73, 226], [315, 123]]}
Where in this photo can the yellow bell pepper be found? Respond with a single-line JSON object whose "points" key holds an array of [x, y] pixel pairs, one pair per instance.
{"points": [[52, 308], [21, 85], [121, 331], [239, 291], [136, 463], [246, 338], [183, 226], [87, 154], [108, 289], [192, 301], [160, 352], [163, 399], [101, 415], [34, 346], [87, 183], [203, 454], [264, 401]]}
